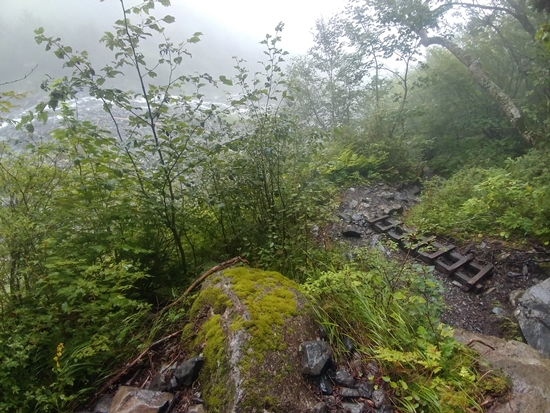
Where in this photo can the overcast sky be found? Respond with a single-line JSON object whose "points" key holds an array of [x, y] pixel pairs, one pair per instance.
{"points": [[230, 27]]}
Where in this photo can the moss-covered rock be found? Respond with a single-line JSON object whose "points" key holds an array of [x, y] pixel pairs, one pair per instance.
{"points": [[248, 324]]}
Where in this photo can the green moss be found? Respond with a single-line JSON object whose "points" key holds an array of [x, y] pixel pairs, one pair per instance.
{"points": [[212, 297], [269, 301], [216, 364]]}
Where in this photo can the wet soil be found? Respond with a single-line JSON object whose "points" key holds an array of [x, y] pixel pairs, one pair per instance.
{"points": [[489, 311]]}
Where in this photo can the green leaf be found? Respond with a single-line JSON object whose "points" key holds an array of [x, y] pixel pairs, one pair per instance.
{"points": [[226, 81], [168, 19], [398, 295]]}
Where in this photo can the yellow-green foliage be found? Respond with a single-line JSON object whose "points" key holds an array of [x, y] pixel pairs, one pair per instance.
{"points": [[498, 202], [393, 315]]}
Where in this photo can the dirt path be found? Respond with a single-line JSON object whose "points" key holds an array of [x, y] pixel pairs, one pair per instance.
{"points": [[488, 312]]}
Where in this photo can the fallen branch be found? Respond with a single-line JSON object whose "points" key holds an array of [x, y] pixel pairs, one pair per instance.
{"points": [[128, 366], [219, 267]]}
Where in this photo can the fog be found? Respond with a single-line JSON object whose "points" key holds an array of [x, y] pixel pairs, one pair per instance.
{"points": [[230, 28]]}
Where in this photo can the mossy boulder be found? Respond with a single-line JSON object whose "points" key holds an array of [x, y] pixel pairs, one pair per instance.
{"points": [[249, 324]]}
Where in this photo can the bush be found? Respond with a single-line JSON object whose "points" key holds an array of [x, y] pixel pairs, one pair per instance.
{"points": [[391, 312], [498, 202]]}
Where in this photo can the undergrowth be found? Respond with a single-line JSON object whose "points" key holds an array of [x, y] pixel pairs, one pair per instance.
{"points": [[391, 310], [513, 201]]}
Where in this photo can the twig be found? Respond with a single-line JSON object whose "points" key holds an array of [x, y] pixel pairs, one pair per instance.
{"points": [[20, 79], [474, 340], [223, 265], [128, 366]]}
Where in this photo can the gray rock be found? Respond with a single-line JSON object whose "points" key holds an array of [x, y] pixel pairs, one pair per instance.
{"points": [[196, 408], [414, 190], [499, 312], [379, 398], [243, 386], [348, 343], [387, 195], [358, 217], [136, 400], [343, 378], [315, 355], [345, 217], [515, 296], [319, 408], [188, 371], [393, 209], [384, 409], [325, 385], [353, 203], [365, 389], [353, 407], [352, 232], [346, 392], [525, 367], [103, 404], [533, 314]]}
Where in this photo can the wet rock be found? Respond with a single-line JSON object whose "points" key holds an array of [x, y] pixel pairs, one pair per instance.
{"points": [[393, 209], [325, 385], [533, 314], [188, 371], [365, 389], [103, 404], [514, 297], [353, 407], [352, 232], [136, 400], [499, 312], [163, 380], [379, 398], [315, 355], [358, 217], [319, 408], [345, 217], [349, 393], [348, 343], [197, 408], [323, 332], [249, 324], [525, 367], [343, 378]]}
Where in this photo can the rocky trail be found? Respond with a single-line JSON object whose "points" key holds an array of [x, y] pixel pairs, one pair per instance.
{"points": [[488, 311]]}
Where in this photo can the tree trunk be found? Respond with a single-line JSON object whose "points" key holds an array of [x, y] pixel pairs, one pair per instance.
{"points": [[506, 104]]}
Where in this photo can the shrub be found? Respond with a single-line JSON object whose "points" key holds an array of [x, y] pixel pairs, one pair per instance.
{"points": [[391, 311], [499, 202]]}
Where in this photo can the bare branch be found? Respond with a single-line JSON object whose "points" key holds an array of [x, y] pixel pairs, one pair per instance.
{"points": [[20, 79]]}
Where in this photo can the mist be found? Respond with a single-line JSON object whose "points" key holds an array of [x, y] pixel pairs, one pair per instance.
{"points": [[229, 29]]}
